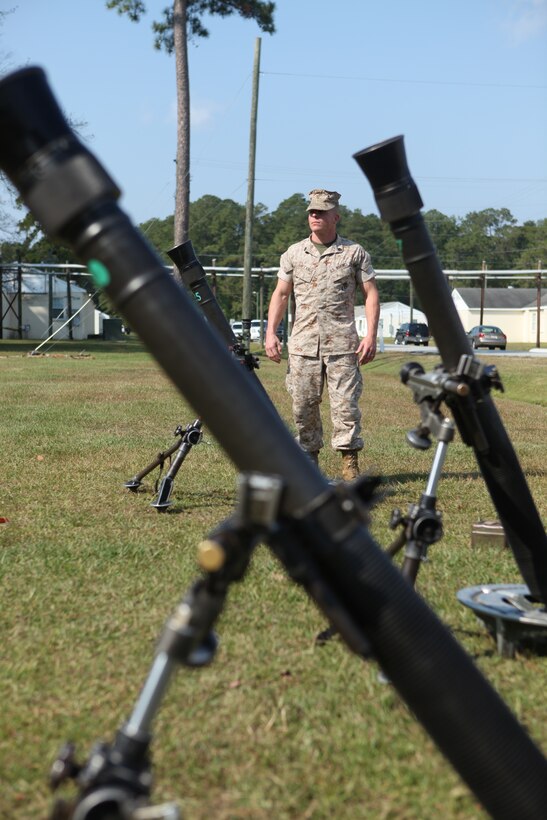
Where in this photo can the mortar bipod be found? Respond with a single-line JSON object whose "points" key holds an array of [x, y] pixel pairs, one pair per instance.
{"points": [[134, 483], [190, 437], [422, 526]]}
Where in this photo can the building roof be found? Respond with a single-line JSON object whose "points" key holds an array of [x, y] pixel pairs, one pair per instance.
{"points": [[38, 283], [502, 298], [395, 307]]}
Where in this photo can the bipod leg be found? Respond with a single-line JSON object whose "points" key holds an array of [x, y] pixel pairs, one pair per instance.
{"points": [[422, 526], [191, 436], [134, 483]]}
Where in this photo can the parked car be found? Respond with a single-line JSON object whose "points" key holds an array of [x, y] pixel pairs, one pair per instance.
{"points": [[255, 329], [487, 336], [237, 328], [412, 333]]}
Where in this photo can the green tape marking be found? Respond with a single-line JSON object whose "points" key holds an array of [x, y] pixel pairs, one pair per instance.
{"points": [[99, 273]]}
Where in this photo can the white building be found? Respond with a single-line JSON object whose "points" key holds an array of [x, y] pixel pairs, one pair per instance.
{"points": [[43, 311], [392, 314]]}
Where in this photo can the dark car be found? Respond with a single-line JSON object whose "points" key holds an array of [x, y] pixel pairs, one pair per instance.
{"points": [[412, 333], [487, 336]]}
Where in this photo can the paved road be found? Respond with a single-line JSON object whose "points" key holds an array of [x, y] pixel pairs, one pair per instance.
{"points": [[481, 353]]}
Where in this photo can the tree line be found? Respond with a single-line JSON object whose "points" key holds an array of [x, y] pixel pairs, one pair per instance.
{"points": [[217, 229], [217, 232]]}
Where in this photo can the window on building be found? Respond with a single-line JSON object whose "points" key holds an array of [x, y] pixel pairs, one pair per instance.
{"points": [[57, 307]]}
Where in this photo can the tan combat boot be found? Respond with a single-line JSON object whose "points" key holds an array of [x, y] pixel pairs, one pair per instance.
{"points": [[350, 464]]}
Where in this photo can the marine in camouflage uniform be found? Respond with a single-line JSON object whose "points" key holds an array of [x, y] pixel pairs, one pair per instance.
{"points": [[324, 272]]}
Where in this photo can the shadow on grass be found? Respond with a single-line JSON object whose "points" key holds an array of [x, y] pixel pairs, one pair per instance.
{"points": [[461, 634], [526, 647], [410, 478], [388, 486], [183, 501]]}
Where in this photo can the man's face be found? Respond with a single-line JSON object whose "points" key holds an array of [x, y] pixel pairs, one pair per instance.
{"points": [[322, 220]]}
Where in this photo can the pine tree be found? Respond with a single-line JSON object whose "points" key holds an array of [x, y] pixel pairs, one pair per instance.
{"points": [[182, 22]]}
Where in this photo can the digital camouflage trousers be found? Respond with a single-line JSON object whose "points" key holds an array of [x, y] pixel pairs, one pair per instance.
{"points": [[306, 379]]}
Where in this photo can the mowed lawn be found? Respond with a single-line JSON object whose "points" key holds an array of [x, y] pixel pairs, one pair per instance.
{"points": [[275, 727]]}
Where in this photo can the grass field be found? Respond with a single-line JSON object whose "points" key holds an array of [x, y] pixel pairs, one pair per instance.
{"points": [[276, 727]]}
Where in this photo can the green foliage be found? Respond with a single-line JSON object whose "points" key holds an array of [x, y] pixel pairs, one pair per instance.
{"points": [[133, 8], [159, 232], [284, 226], [261, 12], [217, 229], [531, 244], [442, 229], [482, 236], [490, 235], [33, 246], [257, 10]]}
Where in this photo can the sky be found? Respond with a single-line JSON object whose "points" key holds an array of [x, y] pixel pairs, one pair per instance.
{"points": [[464, 82]]}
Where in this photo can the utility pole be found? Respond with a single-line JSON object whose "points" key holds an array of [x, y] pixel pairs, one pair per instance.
{"points": [[538, 322], [69, 305], [261, 307], [19, 295], [483, 288], [214, 278], [249, 215]]}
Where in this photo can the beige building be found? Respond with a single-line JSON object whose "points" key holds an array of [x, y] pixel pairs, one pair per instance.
{"points": [[514, 310]]}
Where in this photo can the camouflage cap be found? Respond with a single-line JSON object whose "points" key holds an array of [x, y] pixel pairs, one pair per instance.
{"points": [[321, 200]]}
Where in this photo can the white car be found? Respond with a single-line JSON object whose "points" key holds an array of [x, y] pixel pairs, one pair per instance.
{"points": [[255, 329], [237, 328]]}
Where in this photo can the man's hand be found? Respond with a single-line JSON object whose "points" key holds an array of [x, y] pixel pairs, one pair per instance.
{"points": [[366, 350], [276, 311], [273, 347]]}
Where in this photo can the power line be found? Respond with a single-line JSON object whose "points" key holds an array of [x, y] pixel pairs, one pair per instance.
{"points": [[406, 81], [231, 164]]}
